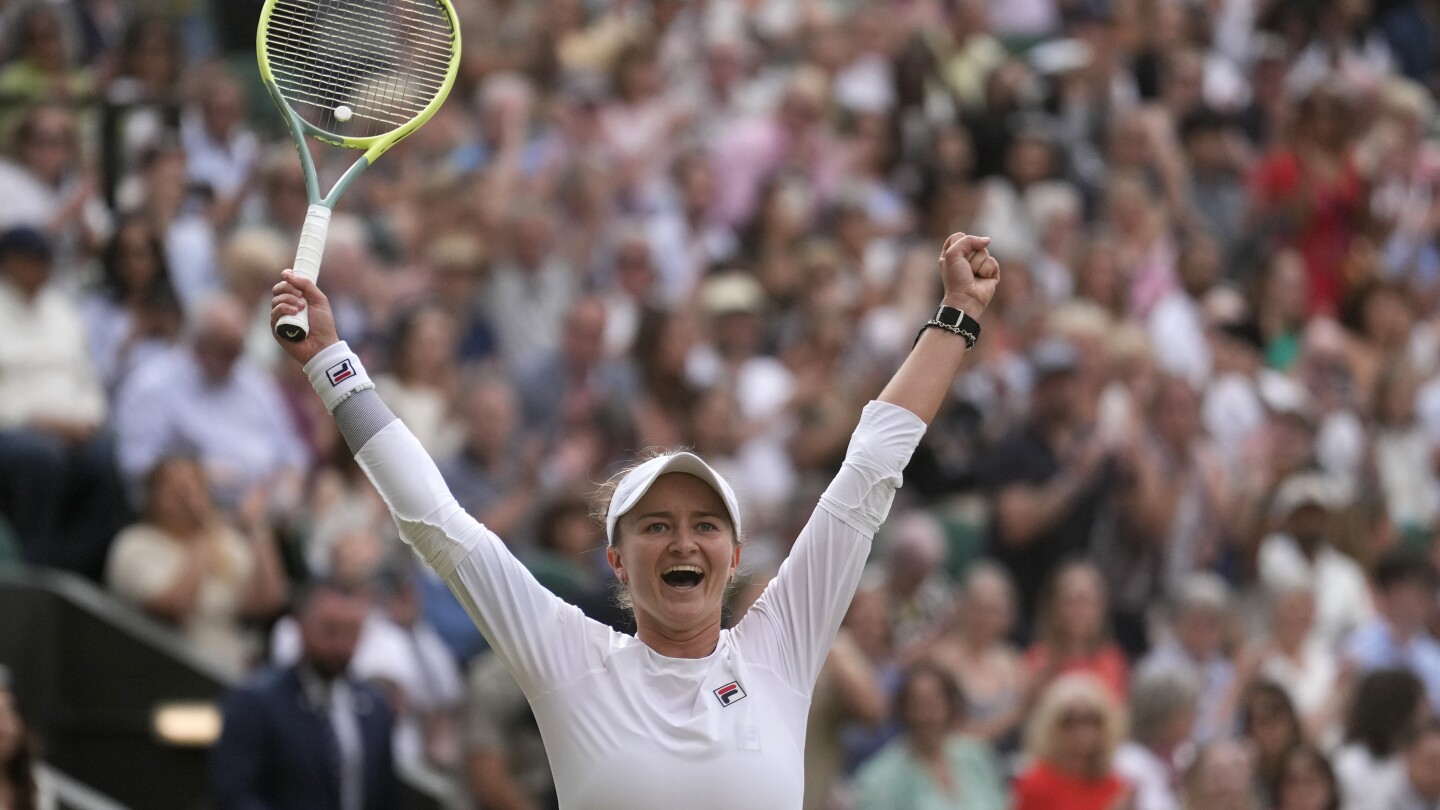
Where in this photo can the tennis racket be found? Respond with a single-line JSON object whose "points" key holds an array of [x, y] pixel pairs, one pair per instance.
{"points": [[361, 74]]}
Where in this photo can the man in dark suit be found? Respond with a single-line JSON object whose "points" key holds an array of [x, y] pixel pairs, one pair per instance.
{"points": [[309, 737]]}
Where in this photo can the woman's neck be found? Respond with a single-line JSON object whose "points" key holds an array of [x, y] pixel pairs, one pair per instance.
{"points": [[1081, 766], [974, 644], [697, 643], [928, 747], [183, 529]]}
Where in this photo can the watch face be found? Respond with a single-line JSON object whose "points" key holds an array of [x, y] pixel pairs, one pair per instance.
{"points": [[949, 315]]}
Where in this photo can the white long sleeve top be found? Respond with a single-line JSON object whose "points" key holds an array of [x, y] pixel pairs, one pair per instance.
{"points": [[624, 726]]}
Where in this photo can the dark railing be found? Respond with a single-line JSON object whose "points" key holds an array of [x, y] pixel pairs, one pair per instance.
{"points": [[89, 673]]}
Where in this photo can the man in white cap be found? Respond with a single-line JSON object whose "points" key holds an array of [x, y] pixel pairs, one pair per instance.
{"points": [[1303, 509]]}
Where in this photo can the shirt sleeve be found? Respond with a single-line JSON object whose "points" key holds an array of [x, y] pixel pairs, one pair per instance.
{"points": [[540, 638], [792, 624]]}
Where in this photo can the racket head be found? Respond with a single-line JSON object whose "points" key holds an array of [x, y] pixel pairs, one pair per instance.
{"points": [[392, 62]]}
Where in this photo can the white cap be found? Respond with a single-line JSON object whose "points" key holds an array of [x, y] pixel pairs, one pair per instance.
{"points": [[634, 486], [1304, 489]]}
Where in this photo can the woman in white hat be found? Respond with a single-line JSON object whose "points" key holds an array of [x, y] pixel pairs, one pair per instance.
{"points": [[685, 713]]}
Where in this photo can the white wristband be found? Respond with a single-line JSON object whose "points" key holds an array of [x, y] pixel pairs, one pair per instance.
{"points": [[336, 374]]}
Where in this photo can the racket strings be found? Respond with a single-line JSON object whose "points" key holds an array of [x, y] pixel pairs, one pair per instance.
{"points": [[385, 59]]}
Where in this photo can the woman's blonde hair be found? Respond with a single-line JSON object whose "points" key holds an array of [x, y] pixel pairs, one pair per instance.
{"points": [[1066, 693]]}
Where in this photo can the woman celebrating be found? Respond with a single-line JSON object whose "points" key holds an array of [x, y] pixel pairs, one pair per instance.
{"points": [[683, 714]]}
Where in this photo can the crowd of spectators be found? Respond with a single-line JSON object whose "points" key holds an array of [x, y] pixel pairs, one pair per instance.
{"points": [[1171, 543]]}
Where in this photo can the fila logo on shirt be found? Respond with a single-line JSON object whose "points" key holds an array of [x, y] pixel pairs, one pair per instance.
{"points": [[340, 372], [729, 693]]}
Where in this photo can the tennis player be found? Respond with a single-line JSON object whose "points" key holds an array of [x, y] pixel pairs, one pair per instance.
{"points": [[684, 714]]}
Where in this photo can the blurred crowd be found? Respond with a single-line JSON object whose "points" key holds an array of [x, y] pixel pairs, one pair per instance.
{"points": [[1171, 543]]}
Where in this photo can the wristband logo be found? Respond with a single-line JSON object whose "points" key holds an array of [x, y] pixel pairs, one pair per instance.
{"points": [[729, 693], [340, 372]]}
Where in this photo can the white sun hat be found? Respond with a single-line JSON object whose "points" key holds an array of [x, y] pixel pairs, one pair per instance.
{"points": [[634, 486]]}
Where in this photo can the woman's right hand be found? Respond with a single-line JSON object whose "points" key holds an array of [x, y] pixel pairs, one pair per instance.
{"points": [[969, 272], [294, 294]]}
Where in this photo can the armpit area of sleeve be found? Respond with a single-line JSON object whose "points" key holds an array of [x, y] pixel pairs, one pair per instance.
{"points": [[880, 448]]}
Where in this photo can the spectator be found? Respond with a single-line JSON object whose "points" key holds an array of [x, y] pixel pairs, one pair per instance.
{"points": [[58, 485], [133, 313], [505, 762], [1221, 778], [1303, 508], [572, 385], [1197, 644], [1419, 786], [847, 693], [1163, 706], [914, 583], [18, 788], [44, 186], [222, 150], [207, 397], [1073, 632], [488, 473], [1216, 187], [735, 303], [1048, 479], [665, 399], [1400, 635], [422, 378], [401, 653], [979, 656], [566, 559], [1071, 739], [685, 238], [1407, 478], [929, 765], [1387, 707], [1271, 727], [867, 625], [309, 735], [1307, 782], [45, 53], [161, 193], [531, 287], [1309, 192], [748, 156], [186, 565], [1296, 659]]}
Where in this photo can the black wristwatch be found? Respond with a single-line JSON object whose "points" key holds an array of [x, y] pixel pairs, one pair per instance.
{"points": [[956, 321]]}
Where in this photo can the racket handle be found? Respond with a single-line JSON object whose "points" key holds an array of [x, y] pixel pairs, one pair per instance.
{"points": [[295, 328]]}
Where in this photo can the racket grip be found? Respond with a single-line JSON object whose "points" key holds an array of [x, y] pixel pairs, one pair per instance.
{"points": [[295, 328]]}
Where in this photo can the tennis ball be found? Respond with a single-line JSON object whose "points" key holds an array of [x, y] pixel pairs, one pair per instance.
{"points": [[343, 113]]}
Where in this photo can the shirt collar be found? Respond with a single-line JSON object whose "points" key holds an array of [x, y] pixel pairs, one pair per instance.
{"points": [[318, 691]]}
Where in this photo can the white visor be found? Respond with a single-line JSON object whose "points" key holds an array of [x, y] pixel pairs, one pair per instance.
{"points": [[634, 486]]}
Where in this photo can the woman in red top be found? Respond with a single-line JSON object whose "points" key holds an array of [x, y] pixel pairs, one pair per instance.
{"points": [[1312, 193], [1071, 741], [1073, 633]]}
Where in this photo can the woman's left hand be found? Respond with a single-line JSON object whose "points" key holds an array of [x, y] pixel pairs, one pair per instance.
{"points": [[970, 273]]}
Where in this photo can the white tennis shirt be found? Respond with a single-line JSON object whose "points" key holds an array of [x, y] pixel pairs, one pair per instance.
{"points": [[628, 728]]}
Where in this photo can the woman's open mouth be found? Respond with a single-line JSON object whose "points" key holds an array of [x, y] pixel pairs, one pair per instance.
{"points": [[683, 577]]}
